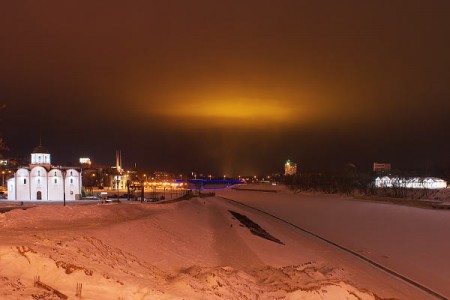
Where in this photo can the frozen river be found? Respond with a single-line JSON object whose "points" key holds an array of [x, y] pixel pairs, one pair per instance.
{"points": [[413, 242]]}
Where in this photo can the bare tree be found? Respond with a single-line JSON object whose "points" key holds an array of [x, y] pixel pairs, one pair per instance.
{"points": [[3, 146]]}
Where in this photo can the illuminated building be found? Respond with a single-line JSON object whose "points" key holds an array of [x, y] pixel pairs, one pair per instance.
{"points": [[42, 181], [3, 162], [290, 168], [162, 176], [85, 161], [410, 183], [381, 167], [120, 179]]}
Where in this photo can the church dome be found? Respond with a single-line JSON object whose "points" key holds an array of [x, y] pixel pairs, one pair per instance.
{"points": [[40, 149]]}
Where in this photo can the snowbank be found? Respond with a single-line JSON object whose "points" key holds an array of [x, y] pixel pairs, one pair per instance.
{"points": [[192, 249]]}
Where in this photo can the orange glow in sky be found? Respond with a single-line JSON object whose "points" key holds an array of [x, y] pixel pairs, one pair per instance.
{"points": [[199, 85], [232, 110]]}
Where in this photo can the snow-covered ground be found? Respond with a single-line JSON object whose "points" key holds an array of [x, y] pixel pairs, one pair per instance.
{"points": [[411, 241], [194, 249]]}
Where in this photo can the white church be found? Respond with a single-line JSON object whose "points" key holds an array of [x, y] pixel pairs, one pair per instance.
{"points": [[42, 181]]}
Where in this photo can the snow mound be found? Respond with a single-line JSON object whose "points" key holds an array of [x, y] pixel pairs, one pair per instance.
{"points": [[184, 250]]}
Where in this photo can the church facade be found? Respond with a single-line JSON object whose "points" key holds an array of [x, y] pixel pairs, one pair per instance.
{"points": [[42, 181]]}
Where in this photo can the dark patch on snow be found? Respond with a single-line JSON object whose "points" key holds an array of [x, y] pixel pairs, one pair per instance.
{"points": [[255, 228]]}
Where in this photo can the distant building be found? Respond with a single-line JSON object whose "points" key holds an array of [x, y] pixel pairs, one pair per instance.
{"points": [[381, 167], [410, 183], [4, 162], [42, 181], [164, 176], [119, 178], [85, 161], [290, 168]]}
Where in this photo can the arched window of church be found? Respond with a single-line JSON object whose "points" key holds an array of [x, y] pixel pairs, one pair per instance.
{"points": [[71, 180], [71, 173], [39, 159], [39, 181], [39, 173], [55, 174], [24, 181], [56, 180]]}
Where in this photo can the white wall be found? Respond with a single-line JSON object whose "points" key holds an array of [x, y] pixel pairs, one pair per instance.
{"points": [[26, 184], [72, 184], [22, 184], [55, 185], [40, 158], [38, 181], [12, 189]]}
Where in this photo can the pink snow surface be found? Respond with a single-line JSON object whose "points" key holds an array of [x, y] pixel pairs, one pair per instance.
{"points": [[195, 249], [409, 240]]}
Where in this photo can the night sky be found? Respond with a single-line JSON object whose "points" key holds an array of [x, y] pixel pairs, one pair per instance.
{"points": [[228, 87]]}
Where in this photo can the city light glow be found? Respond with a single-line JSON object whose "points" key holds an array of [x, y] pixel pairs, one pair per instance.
{"points": [[164, 184], [232, 110]]}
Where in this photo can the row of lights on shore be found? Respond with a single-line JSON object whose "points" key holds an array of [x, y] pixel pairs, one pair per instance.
{"points": [[165, 184]]}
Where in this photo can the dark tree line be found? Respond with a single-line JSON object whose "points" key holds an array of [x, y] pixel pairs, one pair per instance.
{"points": [[349, 181], [346, 181]]}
